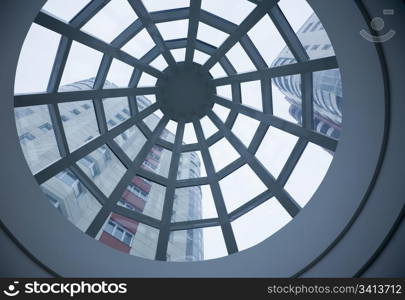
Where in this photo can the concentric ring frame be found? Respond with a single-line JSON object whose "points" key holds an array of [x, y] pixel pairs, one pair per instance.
{"points": [[278, 253]]}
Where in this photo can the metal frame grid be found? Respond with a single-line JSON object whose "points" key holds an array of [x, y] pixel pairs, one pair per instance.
{"points": [[71, 32]]}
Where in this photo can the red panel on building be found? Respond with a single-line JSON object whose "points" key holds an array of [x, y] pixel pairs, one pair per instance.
{"points": [[134, 200], [139, 182], [111, 241], [129, 224]]}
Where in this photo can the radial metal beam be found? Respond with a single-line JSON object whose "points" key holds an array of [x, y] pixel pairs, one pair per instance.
{"points": [[76, 34], [315, 65], [269, 119], [194, 19], [153, 31], [21, 100], [116, 194], [307, 101], [289, 204], [194, 224], [161, 252], [136, 216], [252, 204], [94, 144], [226, 227], [88, 12]]}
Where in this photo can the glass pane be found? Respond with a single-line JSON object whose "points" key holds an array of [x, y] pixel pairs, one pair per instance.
{"points": [[328, 98], [144, 196], [200, 57], [119, 74], [147, 80], [159, 63], [235, 193], [131, 141], [265, 33], [145, 101], [173, 30], [110, 21], [191, 166], [158, 161], [308, 174], [193, 203], [81, 126], [37, 137], [210, 35], [275, 150], [103, 168], [137, 239], [252, 94], [114, 111], [151, 121], [179, 54], [82, 64], [71, 198], [245, 128], [239, 59], [139, 45], [221, 111], [287, 98], [240, 9], [196, 244], [63, 11], [36, 61], [225, 91], [189, 134], [208, 127], [260, 223], [169, 133], [217, 71], [222, 154], [153, 5]]}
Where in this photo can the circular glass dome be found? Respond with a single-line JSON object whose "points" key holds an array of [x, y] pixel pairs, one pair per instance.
{"points": [[178, 130]]}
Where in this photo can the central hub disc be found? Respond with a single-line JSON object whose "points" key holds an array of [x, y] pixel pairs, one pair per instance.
{"points": [[185, 92]]}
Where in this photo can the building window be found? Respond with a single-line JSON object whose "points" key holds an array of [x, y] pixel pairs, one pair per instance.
{"points": [[306, 28], [26, 137], [138, 192], [315, 47], [45, 127], [120, 117], [86, 106], [126, 111], [315, 26], [75, 111], [64, 118], [326, 47], [119, 232], [112, 122]]}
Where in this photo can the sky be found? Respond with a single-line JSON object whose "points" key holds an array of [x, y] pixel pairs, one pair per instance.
{"points": [[36, 61]]}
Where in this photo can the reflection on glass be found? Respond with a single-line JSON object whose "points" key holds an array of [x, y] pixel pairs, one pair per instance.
{"points": [[131, 141], [158, 161], [145, 101], [235, 193], [208, 127], [217, 71], [270, 217], [200, 57], [225, 91], [144, 196], [71, 198], [196, 244], [139, 45], [275, 150], [159, 63], [81, 125], [33, 57], [210, 35], [221, 111], [179, 54], [222, 154], [103, 168], [245, 128], [168, 134], [129, 236], [191, 166], [287, 98], [308, 174], [189, 134], [116, 111], [193, 203], [36, 135]]}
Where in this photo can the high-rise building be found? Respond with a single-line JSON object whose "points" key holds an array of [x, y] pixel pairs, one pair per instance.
{"points": [[327, 85], [66, 192]]}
